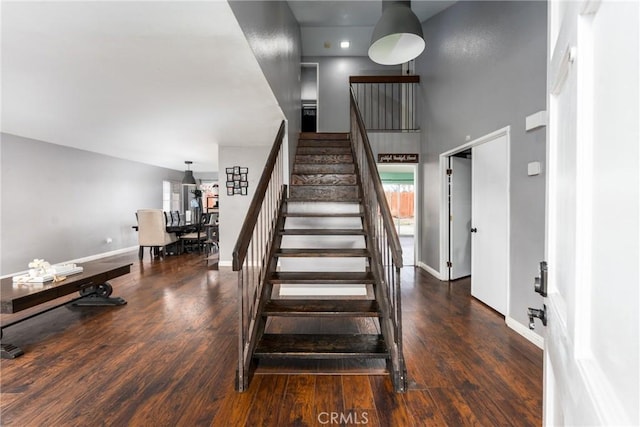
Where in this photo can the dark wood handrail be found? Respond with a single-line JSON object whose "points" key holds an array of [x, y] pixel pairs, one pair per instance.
{"points": [[387, 219], [385, 79], [244, 237]]}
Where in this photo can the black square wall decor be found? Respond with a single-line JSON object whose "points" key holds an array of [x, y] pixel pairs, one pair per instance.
{"points": [[237, 182]]}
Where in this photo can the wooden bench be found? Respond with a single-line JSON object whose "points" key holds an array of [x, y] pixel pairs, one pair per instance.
{"points": [[92, 285]]}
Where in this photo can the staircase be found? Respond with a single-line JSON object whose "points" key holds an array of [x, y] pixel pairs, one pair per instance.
{"points": [[318, 264], [320, 300]]}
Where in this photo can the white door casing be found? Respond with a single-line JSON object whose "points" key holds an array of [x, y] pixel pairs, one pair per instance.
{"points": [[591, 364], [460, 220], [490, 221]]}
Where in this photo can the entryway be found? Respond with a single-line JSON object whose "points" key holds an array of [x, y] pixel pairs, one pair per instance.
{"points": [[309, 95], [398, 181]]}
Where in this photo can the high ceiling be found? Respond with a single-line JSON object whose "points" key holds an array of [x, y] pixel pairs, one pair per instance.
{"points": [[327, 23], [147, 81], [142, 81]]}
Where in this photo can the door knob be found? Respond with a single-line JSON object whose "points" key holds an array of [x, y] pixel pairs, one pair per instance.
{"points": [[537, 313], [474, 230]]}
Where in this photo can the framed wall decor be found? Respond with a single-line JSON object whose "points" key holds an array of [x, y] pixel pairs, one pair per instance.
{"points": [[237, 182]]}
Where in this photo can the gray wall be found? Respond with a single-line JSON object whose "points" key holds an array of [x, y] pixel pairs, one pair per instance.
{"points": [[333, 82], [62, 203], [484, 68], [274, 35]]}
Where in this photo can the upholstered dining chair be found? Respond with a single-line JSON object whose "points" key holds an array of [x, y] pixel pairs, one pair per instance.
{"points": [[152, 231]]}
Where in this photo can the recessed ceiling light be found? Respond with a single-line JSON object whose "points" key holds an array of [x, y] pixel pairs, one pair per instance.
{"points": [[345, 44]]}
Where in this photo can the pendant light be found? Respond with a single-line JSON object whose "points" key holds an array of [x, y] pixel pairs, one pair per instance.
{"points": [[188, 175], [397, 37]]}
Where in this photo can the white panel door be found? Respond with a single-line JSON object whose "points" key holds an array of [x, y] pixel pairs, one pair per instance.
{"points": [[460, 218], [592, 357], [490, 221]]}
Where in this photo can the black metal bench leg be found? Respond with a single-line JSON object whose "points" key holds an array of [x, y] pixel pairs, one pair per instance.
{"points": [[10, 351], [98, 295]]}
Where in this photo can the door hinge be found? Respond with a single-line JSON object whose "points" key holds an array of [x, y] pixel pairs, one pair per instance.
{"points": [[449, 171], [449, 264]]}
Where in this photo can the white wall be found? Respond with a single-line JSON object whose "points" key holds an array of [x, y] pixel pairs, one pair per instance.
{"points": [[233, 208]]}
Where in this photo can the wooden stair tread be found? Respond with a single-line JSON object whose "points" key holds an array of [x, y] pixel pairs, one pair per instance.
{"points": [[320, 308], [325, 135], [322, 232], [323, 179], [324, 158], [329, 252], [321, 346], [324, 278]]}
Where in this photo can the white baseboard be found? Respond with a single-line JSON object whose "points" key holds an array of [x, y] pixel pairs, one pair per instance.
{"points": [[432, 271], [104, 255], [525, 332], [225, 263]]}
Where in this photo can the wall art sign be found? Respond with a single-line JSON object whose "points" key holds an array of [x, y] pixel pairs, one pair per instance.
{"points": [[398, 158], [237, 182]]}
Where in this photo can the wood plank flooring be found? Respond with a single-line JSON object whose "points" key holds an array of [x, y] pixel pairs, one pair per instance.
{"points": [[168, 358]]}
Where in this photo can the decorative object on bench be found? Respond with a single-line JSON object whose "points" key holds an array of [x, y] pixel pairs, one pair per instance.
{"points": [[40, 271], [91, 283], [152, 231]]}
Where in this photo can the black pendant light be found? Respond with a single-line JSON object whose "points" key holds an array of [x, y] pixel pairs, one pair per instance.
{"points": [[397, 37], [188, 175]]}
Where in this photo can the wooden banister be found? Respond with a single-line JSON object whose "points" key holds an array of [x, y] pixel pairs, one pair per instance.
{"points": [[384, 79]]}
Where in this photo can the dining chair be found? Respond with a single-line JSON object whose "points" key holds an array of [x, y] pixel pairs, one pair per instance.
{"points": [[152, 232], [198, 237]]}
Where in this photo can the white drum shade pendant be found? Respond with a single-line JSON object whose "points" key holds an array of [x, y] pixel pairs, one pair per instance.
{"points": [[397, 37]]}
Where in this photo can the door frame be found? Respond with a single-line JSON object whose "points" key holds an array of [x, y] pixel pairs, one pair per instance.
{"points": [[444, 203], [456, 182]]}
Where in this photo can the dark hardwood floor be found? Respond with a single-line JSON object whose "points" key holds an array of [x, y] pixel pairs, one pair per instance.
{"points": [[168, 358]]}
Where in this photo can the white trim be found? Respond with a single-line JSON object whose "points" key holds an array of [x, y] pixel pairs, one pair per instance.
{"points": [[444, 218], [432, 271], [535, 120], [225, 263], [527, 333], [85, 259]]}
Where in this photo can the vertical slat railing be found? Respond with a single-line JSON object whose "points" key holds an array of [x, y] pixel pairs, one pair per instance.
{"points": [[251, 253], [387, 103], [386, 249]]}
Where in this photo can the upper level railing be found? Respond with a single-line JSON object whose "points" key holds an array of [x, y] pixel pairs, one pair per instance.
{"points": [[252, 252], [387, 103], [386, 250]]}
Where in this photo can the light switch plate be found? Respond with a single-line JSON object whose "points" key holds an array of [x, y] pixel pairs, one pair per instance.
{"points": [[534, 168]]}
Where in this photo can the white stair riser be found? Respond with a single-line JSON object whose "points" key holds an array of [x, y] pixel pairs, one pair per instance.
{"points": [[323, 242], [322, 207], [323, 264], [323, 222], [307, 290]]}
